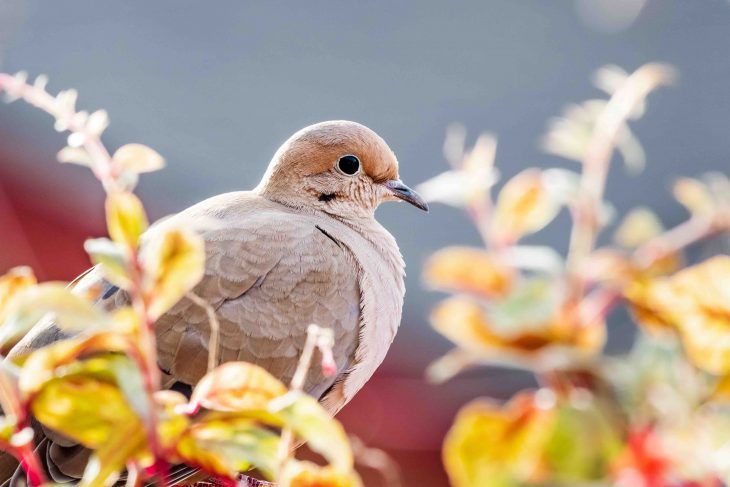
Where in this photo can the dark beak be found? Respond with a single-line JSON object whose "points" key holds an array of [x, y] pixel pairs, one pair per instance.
{"points": [[405, 193]]}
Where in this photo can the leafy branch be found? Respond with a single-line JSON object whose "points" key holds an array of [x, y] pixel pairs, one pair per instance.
{"points": [[594, 419], [106, 376]]}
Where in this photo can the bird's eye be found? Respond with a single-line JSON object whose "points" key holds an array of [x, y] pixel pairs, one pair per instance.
{"points": [[349, 165]]}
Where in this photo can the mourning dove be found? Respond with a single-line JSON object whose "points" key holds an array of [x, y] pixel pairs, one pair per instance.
{"points": [[303, 247]]}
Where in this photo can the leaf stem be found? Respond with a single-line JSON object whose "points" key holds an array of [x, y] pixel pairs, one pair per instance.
{"points": [[587, 207]]}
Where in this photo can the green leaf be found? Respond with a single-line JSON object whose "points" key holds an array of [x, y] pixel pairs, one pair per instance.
{"points": [[111, 257], [530, 305], [107, 461], [83, 408], [582, 444], [497, 446], [70, 311], [229, 445], [309, 420], [125, 218], [42, 364], [130, 381], [174, 262]]}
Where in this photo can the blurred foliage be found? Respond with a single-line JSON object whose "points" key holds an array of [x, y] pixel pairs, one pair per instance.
{"points": [[658, 416], [101, 388]]}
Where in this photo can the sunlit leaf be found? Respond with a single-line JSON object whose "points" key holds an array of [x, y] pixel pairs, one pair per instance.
{"points": [[493, 446], [172, 422], [91, 401], [174, 262], [70, 311], [41, 365], [309, 420], [8, 425], [112, 259], [531, 324], [75, 155], [14, 281], [138, 158], [532, 303], [125, 218], [470, 180], [84, 408], [696, 303], [524, 205], [97, 122], [307, 474], [638, 226], [107, 461], [582, 443], [695, 196], [227, 446], [463, 321], [236, 386], [468, 270]]}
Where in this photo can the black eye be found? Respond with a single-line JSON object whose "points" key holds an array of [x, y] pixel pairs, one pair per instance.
{"points": [[349, 165]]}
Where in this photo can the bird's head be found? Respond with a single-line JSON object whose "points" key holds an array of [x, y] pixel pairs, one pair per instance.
{"points": [[339, 167]]}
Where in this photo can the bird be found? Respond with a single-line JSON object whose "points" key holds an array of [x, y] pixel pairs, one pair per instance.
{"points": [[302, 247]]}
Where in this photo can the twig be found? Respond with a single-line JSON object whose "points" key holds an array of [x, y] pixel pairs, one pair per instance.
{"points": [[597, 160], [62, 108], [317, 337], [214, 329], [377, 460]]}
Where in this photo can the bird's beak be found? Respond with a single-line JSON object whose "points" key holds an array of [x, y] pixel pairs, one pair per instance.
{"points": [[403, 192]]}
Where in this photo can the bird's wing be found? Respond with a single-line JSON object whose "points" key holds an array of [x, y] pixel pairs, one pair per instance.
{"points": [[269, 274]]}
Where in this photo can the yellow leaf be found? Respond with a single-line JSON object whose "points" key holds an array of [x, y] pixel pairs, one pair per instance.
{"points": [[308, 474], [138, 158], [493, 446], [638, 226], [14, 281], [171, 423], [696, 303], [125, 218], [83, 408], [228, 445], [127, 441], [524, 205], [519, 330], [174, 262], [111, 257], [462, 321], [70, 311], [309, 420], [40, 366], [236, 386], [468, 270]]}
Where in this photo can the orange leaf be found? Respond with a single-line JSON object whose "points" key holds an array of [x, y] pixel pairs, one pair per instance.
{"points": [[236, 386], [468, 270]]}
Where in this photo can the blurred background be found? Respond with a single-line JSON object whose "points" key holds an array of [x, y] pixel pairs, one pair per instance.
{"points": [[216, 90]]}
